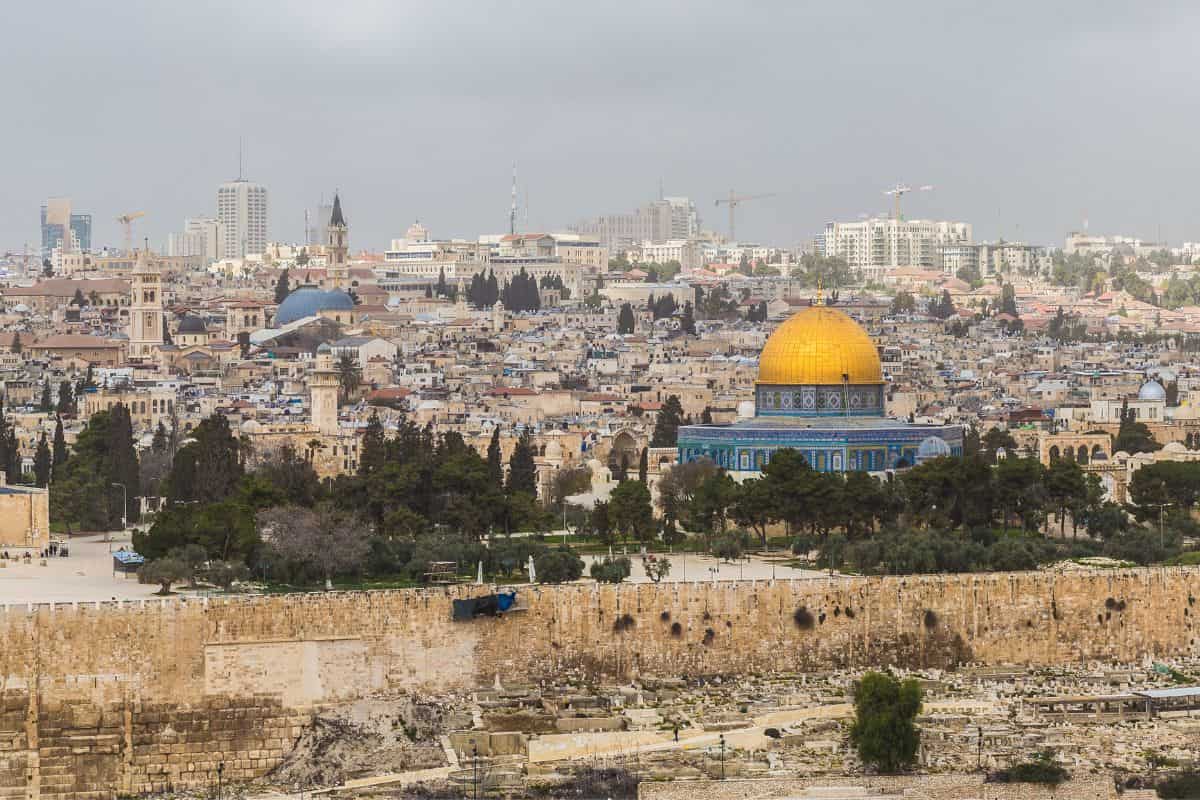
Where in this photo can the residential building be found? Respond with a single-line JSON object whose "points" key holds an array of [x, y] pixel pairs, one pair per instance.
{"points": [[658, 221], [202, 237], [242, 212], [876, 245], [994, 258]]}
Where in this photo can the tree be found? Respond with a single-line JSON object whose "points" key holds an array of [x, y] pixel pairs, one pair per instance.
{"points": [[1008, 300], [324, 541], [349, 375], [495, 460], [522, 471], [59, 453], [883, 731], [753, 506], [47, 403], [559, 565], [17, 346], [656, 567], [1133, 436], [611, 570], [687, 321], [209, 468], [165, 572], [282, 289], [225, 573], [625, 319], [373, 453], [644, 464], [600, 523], [41, 463], [1066, 486], [162, 439], [66, 399], [903, 303], [122, 467], [629, 508], [995, 439], [666, 424]]}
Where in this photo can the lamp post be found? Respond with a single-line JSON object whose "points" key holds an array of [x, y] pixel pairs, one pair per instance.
{"points": [[220, 772], [124, 512], [722, 758]]}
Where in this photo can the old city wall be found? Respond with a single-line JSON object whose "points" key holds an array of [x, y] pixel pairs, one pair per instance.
{"points": [[99, 699]]}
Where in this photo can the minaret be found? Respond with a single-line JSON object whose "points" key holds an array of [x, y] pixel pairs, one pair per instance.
{"points": [[336, 246], [145, 308], [323, 385], [498, 317]]}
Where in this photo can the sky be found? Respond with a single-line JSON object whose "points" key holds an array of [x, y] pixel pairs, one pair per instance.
{"points": [[1027, 117]]}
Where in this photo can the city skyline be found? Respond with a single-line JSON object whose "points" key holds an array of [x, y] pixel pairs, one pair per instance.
{"points": [[1031, 158]]}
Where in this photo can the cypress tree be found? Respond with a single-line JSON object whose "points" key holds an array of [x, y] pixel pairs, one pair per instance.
{"points": [[41, 462], [644, 464], [625, 319], [281, 287], [374, 447], [59, 452], [666, 427], [122, 467], [66, 398], [493, 289], [162, 439], [522, 472], [495, 462], [687, 323], [47, 404]]}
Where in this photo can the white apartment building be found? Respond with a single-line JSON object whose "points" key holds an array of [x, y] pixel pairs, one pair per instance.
{"points": [[688, 252], [242, 212], [992, 258], [874, 246], [202, 237], [657, 221]]}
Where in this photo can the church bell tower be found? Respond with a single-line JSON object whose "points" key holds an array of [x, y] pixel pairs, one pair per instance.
{"points": [[337, 246], [145, 308]]}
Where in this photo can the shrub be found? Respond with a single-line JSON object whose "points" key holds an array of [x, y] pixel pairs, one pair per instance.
{"points": [[1043, 769], [884, 732], [1181, 786], [611, 570], [558, 566]]}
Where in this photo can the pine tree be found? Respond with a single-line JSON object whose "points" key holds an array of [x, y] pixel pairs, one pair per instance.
{"points": [[281, 287], [625, 319], [522, 472], [41, 462], [495, 461], [666, 426]]}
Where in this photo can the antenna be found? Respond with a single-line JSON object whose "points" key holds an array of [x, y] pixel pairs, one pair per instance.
{"points": [[512, 211], [239, 158]]}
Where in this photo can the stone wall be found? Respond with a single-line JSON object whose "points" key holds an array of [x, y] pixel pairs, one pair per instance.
{"points": [[933, 787], [103, 698]]}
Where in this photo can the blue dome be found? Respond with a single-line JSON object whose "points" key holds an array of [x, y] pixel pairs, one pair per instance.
{"points": [[932, 447], [307, 301], [1152, 390]]}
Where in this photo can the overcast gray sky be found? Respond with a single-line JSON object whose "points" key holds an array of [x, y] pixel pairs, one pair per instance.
{"points": [[1026, 116]]}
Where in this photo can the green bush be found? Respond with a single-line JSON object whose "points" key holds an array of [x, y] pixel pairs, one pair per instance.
{"points": [[884, 732], [1043, 769], [1181, 786], [559, 565], [611, 570]]}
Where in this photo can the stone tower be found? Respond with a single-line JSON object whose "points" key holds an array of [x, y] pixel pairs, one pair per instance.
{"points": [[324, 386], [337, 245], [145, 308]]}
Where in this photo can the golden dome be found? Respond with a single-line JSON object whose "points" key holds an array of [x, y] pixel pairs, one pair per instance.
{"points": [[819, 346]]}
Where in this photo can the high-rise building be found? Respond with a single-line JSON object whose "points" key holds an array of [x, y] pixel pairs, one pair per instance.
{"points": [[657, 221], [202, 237], [874, 246], [63, 229], [242, 212]]}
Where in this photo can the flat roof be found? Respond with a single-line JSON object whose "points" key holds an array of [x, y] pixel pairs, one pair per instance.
{"points": [[1178, 691]]}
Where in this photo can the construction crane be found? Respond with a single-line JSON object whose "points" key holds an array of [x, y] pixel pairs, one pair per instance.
{"points": [[898, 191], [126, 221], [733, 201]]}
